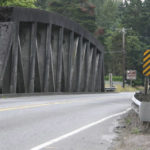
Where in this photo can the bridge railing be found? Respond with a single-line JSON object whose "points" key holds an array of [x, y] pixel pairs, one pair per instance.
{"points": [[46, 52]]}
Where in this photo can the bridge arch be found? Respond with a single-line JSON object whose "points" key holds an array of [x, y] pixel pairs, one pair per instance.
{"points": [[46, 52]]}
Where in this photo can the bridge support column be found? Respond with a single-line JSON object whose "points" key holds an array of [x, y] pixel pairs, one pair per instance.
{"points": [[95, 73], [13, 83], [89, 65], [98, 75], [102, 76], [59, 61], [33, 57], [92, 71], [79, 63], [71, 47], [65, 68], [83, 68], [6, 40], [48, 59]]}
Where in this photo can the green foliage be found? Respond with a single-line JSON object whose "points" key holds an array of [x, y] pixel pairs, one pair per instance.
{"points": [[103, 18], [114, 78], [42, 4], [135, 16], [138, 82], [128, 121], [135, 49], [21, 3], [106, 12], [135, 131], [77, 10], [113, 61], [109, 17]]}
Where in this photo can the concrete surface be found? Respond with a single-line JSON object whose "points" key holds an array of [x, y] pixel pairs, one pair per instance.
{"points": [[26, 122], [144, 110]]}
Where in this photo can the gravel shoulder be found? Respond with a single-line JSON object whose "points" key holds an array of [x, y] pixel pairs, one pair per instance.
{"points": [[132, 134]]}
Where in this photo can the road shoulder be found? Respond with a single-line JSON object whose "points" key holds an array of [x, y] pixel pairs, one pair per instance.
{"points": [[132, 134]]}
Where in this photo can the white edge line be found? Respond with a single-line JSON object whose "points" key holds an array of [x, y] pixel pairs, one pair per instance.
{"points": [[39, 147]]}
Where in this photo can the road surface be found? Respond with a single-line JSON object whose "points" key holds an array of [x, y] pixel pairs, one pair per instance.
{"points": [[62, 122]]}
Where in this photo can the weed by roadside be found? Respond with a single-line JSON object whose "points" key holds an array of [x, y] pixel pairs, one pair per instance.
{"points": [[127, 88], [135, 131], [134, 136]]}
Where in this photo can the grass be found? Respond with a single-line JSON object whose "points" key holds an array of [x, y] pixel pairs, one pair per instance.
{"points": [[119, 88], [128, 121], [127, 88], [140, 88], [135, 131]]}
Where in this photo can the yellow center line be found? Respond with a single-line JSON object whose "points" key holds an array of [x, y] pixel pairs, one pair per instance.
{"points": [[32, 106], [40, 105]]}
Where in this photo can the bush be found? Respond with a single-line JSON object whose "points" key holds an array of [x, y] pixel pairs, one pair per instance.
{"points": [[20, 3], [114, 78]]}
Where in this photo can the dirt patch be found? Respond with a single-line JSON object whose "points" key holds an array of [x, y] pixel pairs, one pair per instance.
{"points": [[132, 134]]}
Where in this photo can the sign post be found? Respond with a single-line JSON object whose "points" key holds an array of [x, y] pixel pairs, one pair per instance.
{"points": [[146, 69], [110, 80], [131, 75]]}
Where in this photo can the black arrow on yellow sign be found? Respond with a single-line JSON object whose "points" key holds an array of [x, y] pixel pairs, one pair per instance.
{"points": [[146, 63]]}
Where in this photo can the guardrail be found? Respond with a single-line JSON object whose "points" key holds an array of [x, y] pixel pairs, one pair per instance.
{"points": [[111, 89], [142, 109]]}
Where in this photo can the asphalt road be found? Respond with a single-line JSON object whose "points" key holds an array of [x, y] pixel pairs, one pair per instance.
{"points": [[63, 122]]}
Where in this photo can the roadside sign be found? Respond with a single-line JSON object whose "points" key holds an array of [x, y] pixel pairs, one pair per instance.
{"points": [[131, 74], [146, 63]]}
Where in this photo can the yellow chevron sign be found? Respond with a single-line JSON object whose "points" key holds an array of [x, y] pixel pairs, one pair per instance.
{"points": [[146, 63]]}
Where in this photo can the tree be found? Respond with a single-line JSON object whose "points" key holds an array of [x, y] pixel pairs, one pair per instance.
{"points": [[43, 4], [21, 3], [135, 14], [135, 49], [80, 11], [113, 53], [106, 12], [145, 29], [107, 17]]}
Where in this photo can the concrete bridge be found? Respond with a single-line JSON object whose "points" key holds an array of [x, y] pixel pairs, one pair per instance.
{"points": [[46, 52]]}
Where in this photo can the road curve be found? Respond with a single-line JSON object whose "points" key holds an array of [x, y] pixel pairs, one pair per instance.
{"points": [[26, 123]]}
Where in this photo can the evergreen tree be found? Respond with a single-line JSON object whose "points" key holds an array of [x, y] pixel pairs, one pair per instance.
{"points": [[80, 11], [132, 13], [42, 4], [145, 19]]}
